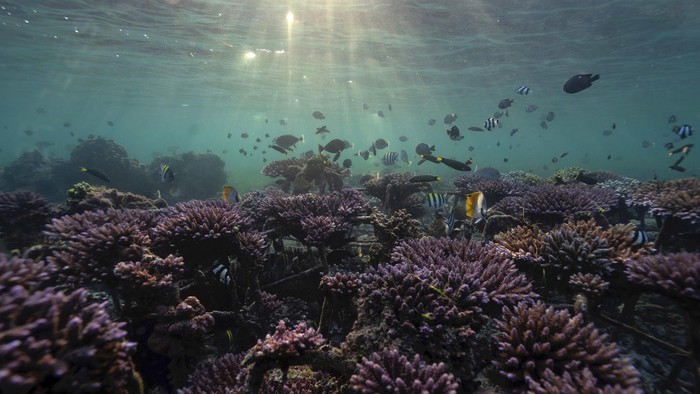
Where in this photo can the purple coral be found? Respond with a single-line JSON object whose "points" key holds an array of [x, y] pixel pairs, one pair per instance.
{"points": [[675, 274], [396, 191], [51, 342], [392, 372], [22, 217], [200, 231], [340, 284], [284, 343], [535, 338], [218, 376], [494, 189], [182, 329], [679, 198], [590, 284], [26, 272], [554, 203]]}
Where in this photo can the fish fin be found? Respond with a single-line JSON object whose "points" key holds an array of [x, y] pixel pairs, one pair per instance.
{"points": [[320, 149], [302, 138]]}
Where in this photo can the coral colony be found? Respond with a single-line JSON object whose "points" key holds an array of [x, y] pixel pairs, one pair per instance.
{"points": [[313, 286]]}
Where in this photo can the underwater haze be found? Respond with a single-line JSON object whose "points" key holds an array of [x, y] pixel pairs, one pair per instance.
{"points": [[176, 76]]}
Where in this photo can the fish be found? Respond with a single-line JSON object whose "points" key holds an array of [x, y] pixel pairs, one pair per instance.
{"points": [[607, 132], [389, 107], [543, 124], [498, 143], [244, 135], [639, 237], [450, 222], [677, 168], [580, 82], [475, 206], [490, 123], [96, 173], [499, 114], [334, 146], [585, 178], [365, 106], [347, 163], [505, 103], [403, 138], [403, 155], [380, 114], [222, 273], [267, 135], [364, 154], [29, 132], [563, 155], [550, 116], [449, 118], [474, 128], [230, 194], [110, 123], [554, 159], [679, 161], [488, 173], [66, 124], [283, 122], [166, 173], [505, 160], [454, 134], [524, 90], [278, 149], [322, 129], [381, 143], [265, 120], [318, 115], [514, 131], [228, 135], [434, 200], [685, 149], [373, 149], [669, 145], [72, 134], [609, 157], [614, 126], [424, 149], [684, 131], [457, 165], [531, 108], [258, 140], [471, 148], [672, 119], [431, 122], [430, 158], [424, 178], [390, 158], [287, 140]]}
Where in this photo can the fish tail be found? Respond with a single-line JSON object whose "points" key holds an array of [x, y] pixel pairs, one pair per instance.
{"points": [[320, 149]]}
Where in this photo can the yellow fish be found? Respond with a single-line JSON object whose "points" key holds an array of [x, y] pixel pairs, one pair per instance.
{"points": [[230, 194], [475, 206]]}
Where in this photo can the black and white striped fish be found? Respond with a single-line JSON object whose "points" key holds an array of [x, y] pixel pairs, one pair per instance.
{"points": [[390, 158], [639, 237], [491, 123], [434, 200], [222, 273], [522, 90], [683, 131]]}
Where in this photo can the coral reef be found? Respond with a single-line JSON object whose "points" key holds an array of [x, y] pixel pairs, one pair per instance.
{"points": [[52, 342], [27, 273], [534, 339], [181, 334], [552, 204], [494, 189], [590, 284], [197, 176], [83, 197], [396, 191], [340, 284], [300, 175], [524, 243], [391, 372], [526, 178], [432, 299], [217, 376], [679, 198], [677, 274], [22, 217], [200, 231]]}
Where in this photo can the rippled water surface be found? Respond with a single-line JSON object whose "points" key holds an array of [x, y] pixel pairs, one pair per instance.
{"points": [[181, 75]]}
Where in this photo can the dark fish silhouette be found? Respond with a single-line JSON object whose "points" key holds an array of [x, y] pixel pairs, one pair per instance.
{"points": [[450, 118], [318, 115], [431, 122], [96, 173], [579, 82]]}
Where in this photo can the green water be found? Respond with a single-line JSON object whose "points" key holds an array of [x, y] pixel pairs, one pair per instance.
{"points": [[174, 76]]}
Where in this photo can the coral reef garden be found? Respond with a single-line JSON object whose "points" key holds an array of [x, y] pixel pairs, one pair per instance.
{"points": [[351, 290]]}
